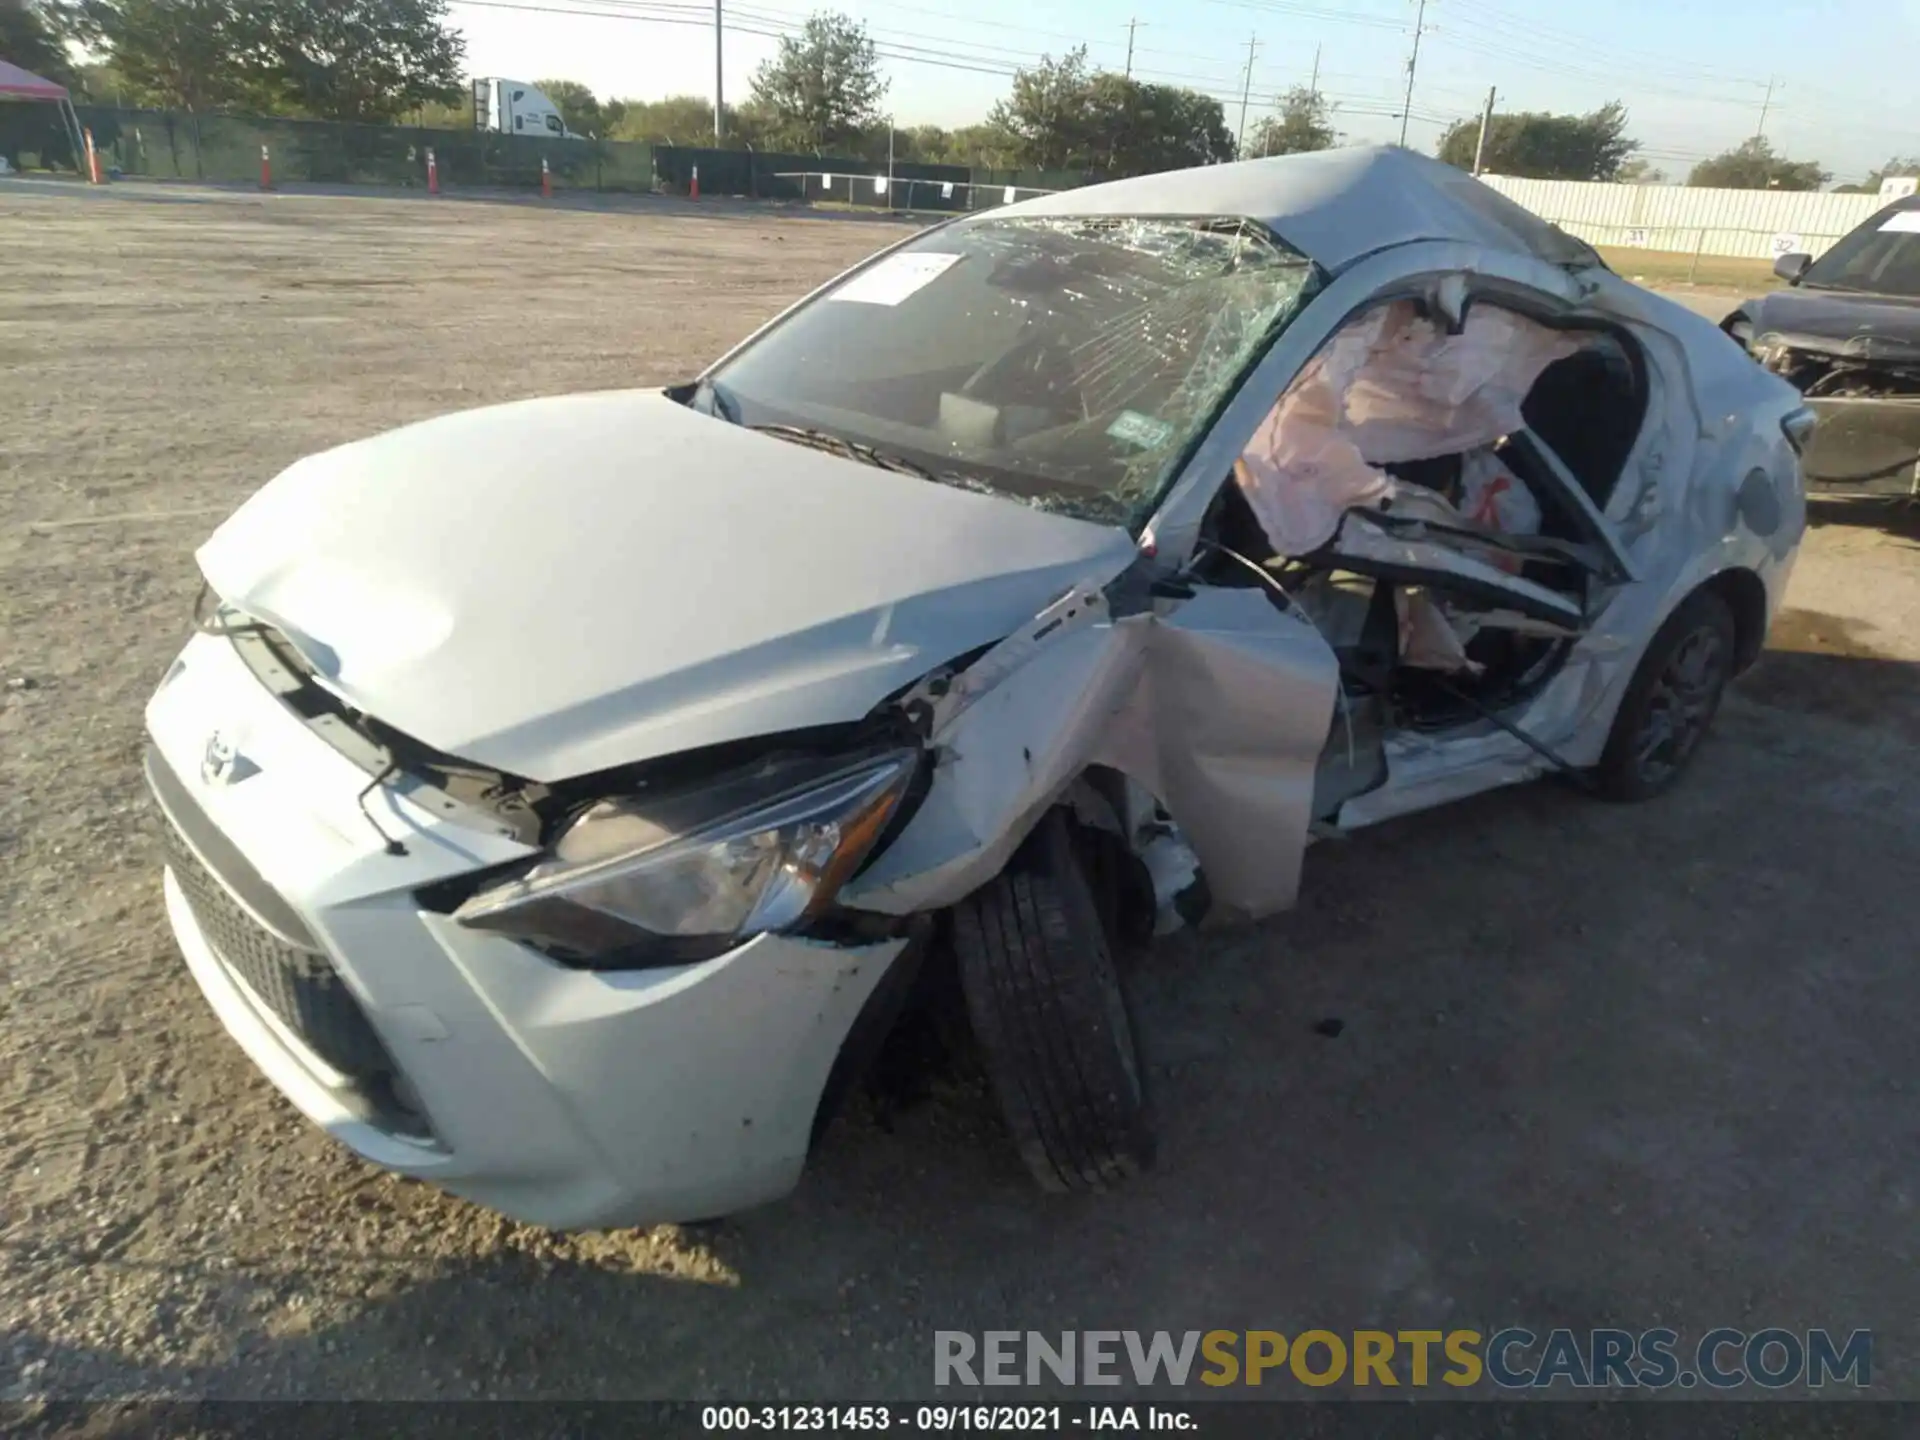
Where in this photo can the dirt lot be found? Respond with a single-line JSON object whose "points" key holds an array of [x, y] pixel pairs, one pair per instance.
{"points": [[1600, 1066]]}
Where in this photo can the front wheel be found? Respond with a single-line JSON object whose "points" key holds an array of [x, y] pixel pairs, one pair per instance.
{"points": [[1671, 701], [1046, 1005]]}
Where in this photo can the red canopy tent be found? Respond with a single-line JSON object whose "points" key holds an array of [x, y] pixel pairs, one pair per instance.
{"points": [[18, 84]]}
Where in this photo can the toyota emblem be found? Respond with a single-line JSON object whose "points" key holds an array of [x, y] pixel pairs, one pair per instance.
{"points": [[217, 760]]}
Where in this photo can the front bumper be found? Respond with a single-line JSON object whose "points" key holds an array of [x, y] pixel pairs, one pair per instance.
{"points": [[560, 1097]]}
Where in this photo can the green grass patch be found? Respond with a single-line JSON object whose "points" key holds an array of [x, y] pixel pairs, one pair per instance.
{"points": [[1667, 267]]}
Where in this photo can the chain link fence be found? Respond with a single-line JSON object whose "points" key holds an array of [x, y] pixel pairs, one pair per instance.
{"points": [[869, 184], [226, 149], [904, 193], [1705, 241]]}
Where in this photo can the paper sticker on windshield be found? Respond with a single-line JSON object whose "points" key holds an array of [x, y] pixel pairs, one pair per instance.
{"points": [[1141, 430], [1902, 220], [889, 281]]}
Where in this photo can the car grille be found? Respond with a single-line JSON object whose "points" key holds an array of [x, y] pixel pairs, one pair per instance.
{"points": [[297, 983]]}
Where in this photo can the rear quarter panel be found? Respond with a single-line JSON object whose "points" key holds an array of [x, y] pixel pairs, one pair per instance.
{"points": [[1731, 495]]}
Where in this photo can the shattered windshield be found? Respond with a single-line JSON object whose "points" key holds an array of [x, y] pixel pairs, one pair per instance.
{"points": [[1882, 257], [1066, 362]]}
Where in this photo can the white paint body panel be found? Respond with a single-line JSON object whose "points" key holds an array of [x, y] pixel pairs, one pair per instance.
{"points": [[1219, 707], [564, 1098], [564, 585]]}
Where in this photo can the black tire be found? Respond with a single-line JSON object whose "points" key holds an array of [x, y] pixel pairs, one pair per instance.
{"points": [[1047, 1007], [1671, 701]]}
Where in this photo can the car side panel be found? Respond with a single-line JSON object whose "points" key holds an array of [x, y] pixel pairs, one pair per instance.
{"points": [[1713, 486], [1219, 705]]}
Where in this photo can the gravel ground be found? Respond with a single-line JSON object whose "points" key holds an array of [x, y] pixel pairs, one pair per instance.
{"points": [[1600, 1066]]}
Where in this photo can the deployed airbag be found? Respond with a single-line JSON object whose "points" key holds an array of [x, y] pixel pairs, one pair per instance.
{"points": [[1393, 386]]}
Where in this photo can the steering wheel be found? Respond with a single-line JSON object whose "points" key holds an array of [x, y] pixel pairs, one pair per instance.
{"points": [[1037, 372]]}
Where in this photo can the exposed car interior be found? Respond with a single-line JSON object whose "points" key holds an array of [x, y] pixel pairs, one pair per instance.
{"points": [[1449, 584]]}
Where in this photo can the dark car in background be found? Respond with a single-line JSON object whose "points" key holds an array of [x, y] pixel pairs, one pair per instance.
{"points": [[1846, 332]]}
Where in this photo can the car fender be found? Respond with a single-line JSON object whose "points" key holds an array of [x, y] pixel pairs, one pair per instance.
{"points": [[1219, 705]]}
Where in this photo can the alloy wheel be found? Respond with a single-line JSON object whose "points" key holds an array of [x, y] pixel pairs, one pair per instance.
{"points": [[1681, 704]]}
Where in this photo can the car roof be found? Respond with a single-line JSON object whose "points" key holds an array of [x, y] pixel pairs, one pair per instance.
{"points": [[1334, 206]]}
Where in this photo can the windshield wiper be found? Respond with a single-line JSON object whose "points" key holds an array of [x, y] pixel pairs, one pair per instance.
{"points": [[851, 449]]}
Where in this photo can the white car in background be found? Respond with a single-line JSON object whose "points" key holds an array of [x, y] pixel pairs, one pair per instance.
{"points": [[564, 796]]}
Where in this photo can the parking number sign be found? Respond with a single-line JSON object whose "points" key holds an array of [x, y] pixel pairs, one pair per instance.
{"points": [[1640, 238], [1786, 243]]}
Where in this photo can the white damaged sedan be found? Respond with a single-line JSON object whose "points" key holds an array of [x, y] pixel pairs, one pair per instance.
{"points": [[565, 797]]}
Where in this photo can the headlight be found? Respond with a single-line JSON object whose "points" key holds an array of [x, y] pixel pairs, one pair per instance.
{"points": [[640, 881]]}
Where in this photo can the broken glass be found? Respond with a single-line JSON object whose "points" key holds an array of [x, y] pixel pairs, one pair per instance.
{"points": [[1070, 363]]}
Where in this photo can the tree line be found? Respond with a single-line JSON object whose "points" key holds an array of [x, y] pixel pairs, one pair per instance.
{"points": [[362, 60], [822, 92], [1535, 145]]}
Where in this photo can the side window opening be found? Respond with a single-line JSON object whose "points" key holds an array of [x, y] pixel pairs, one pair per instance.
{"points": [[1474, 435], [1389, 499], [1590, 407], [553, 124]]}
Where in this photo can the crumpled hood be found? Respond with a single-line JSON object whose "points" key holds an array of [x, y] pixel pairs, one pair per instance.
{"points": [[1838, 322], [564, 585]]}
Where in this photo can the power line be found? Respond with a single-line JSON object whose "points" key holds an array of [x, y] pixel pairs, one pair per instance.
{"points": [[886, 50], [981, 57], [1589, 47], [999, 25], [1523, 60], [1309, 12], [767, 23], [889, 43], [892, 44]]}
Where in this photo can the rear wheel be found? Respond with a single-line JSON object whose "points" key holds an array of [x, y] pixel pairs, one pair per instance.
{"points": [[1671, 702], [1037, 971]]}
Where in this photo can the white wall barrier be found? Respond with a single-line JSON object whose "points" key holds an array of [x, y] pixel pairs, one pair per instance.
{"points": [[1758, 224]]}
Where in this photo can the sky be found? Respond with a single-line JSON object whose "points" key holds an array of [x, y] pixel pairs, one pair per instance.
{"points": [[1830, 80]]}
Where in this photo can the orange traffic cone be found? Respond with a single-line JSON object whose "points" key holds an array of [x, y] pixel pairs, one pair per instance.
{"points": [[693, 188], [266, 169], [546, 179], [93, 161], [433, 173]]}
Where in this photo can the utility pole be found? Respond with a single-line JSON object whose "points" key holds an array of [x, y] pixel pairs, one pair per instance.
{"points": [[1113, 145], [719, 79], [1413, 64], [1760, 130], [1246, 90], [1486, 124], [1313, 85]]}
